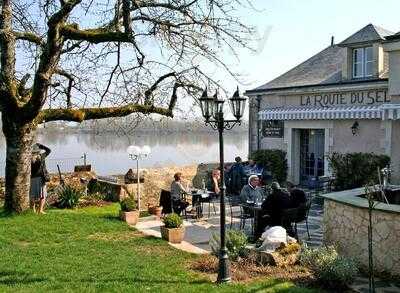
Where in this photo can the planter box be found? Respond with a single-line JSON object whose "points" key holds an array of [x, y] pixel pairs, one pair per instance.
{"points": [[173, 235], [130, 217], [155, 211]]}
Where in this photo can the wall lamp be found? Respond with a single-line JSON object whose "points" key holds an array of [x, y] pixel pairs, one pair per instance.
{"points": [[355, 128]]}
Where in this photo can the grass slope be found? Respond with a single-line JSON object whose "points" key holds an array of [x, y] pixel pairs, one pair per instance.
{"points": [[90, 250]]}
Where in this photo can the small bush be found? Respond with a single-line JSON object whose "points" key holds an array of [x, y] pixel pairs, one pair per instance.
{"points": [[329, 268], [236, 242], [274, 161], [355, 170], [128, 204], [172, 221], [68, 197]]}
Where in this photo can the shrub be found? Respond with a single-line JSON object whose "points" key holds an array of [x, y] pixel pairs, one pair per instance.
{"points": [[68, 197], [353, 170], [329, 268], [274, 161], [172, 221], [128, 204], [236, 242]]}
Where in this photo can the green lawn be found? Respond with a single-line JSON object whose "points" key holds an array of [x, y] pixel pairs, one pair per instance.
{"points": [[89, 250]]}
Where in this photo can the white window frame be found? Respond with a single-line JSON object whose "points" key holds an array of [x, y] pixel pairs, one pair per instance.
{"points": [[368, 61], [363, 60]]}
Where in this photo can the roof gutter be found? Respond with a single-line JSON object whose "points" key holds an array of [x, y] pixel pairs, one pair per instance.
{"points": [[278, 89]]}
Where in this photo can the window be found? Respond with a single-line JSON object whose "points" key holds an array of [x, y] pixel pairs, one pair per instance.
{"points": [[363, 62]]}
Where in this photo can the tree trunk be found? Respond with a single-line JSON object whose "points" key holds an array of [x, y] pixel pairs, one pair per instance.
{"points": [[19, 138]]}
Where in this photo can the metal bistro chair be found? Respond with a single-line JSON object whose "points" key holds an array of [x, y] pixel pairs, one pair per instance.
{"points": [[233, 201], [246, 214], [302, 215], [291, 217]]}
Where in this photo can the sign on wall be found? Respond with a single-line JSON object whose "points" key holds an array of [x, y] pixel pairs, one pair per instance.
{"points": [[367, 97], [272, 128]]}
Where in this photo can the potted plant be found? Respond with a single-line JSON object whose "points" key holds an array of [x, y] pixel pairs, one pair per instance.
{"points": [[129, 212], [173, 230], [155, 210]]}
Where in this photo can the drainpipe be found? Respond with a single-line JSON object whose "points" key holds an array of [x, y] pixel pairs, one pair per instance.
{"points": [[258, 122]]}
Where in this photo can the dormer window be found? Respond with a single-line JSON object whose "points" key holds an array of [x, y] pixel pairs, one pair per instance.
{"points": [[363, 62]]}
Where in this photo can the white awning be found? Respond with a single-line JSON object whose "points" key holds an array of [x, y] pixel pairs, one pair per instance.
{"points": [[383, 111]]}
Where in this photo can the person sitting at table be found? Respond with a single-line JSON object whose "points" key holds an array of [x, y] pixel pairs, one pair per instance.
{"points": [[297, 195], [177, 193], [252, 192], [272, 208], [235, 177], [253, 168], [214, 182]]}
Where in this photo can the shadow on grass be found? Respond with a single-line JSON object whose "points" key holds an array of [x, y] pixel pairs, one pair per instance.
{"points": [[111, 217], [6, 214], [12, 278], [155, 281]]}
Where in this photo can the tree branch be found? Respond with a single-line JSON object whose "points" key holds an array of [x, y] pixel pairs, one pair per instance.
{"points": [[147, 93], [95, 36], [30, 37], [79, 115], [70, 83]]}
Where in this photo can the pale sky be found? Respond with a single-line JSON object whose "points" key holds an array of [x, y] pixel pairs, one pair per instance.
{"points": [[296, 30]]}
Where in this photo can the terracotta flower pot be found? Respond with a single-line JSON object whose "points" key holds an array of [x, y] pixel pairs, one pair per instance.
{"points": [[155, 210], [173, 235], [130, 217]]}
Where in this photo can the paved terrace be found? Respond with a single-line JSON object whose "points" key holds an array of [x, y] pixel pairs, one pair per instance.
{"points": [[198, 233]]}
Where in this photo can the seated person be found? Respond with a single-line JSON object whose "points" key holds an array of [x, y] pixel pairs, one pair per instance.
{"points": [[177, 192], [272, 208], [252, 192], [297, 195], [214, 182], [253, 168]]}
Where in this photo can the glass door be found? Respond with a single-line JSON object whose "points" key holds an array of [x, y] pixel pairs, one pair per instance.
{"points": [[312, 149]]}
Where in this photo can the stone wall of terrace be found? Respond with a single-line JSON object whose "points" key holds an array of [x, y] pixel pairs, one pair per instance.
{"points": [[346, 226]]}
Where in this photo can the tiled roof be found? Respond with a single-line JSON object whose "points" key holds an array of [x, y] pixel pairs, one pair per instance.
{"points": [[395, 36], [323, 68], [368, 33]]}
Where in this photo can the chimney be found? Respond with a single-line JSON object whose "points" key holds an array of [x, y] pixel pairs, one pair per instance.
{"points": [[332, 40]]}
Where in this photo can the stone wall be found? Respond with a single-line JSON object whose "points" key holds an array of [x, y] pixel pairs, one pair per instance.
{"points": [[346, 227], [156, 179]]}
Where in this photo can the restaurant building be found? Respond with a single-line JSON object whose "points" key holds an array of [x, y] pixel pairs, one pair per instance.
{"points": [[344, 99]]}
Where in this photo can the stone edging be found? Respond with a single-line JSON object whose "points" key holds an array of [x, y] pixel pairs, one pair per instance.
{"points": [[352, 198]]}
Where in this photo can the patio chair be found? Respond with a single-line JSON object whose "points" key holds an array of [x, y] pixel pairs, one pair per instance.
{"points": [[233, 201], [302, 215], [165, 202], [246, 214]]}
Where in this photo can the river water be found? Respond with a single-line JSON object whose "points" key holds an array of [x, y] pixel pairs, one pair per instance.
{"points": [[107, 152]]}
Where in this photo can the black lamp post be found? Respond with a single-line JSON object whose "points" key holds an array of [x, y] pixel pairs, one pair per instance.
{"points": [[212, 110]]}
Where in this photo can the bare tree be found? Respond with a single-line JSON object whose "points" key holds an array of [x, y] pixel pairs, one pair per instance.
{"points": [[80, 60]]}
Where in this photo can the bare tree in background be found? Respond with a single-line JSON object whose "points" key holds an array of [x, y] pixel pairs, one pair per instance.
{"points": [[77, 60]]}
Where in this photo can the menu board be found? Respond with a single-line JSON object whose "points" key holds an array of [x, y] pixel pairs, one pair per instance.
{"points": [[272, 128]]}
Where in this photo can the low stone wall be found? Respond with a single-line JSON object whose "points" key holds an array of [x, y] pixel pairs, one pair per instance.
{"points": [[346, 227], [156, 179]]}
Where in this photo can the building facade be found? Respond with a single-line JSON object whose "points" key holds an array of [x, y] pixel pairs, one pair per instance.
{"points": [[344, 99]]}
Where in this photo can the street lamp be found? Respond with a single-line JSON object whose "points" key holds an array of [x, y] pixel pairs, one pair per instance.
{"points": [[212, 110], [137, 153]]}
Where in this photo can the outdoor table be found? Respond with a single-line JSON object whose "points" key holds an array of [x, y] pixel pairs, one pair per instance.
{"points": [[199, 196], [255, 208]]}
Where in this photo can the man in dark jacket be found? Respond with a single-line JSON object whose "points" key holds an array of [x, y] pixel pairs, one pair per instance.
{"points": [[236, 176], [297, 195], [272, 208]]}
